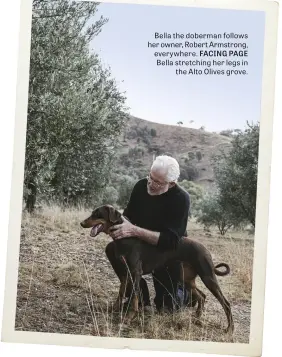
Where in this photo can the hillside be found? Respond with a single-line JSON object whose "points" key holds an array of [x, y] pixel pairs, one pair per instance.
{"points": [[193, 148]]}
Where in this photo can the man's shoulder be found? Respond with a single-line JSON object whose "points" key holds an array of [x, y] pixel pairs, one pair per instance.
{"points": [[182, 194], [141, 184]]}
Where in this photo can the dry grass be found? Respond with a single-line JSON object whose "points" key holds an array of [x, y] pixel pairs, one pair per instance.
{"points": [[66, 284]]}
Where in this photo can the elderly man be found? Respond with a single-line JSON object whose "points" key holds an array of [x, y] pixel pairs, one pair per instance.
{"points": [[157, 213]]}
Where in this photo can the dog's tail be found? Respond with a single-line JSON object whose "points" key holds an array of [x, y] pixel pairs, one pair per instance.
{"points": [[222, 273]]}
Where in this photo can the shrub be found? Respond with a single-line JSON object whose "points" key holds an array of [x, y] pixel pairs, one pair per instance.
{"points": [[228, 133], [188, 172], [195, 192], [212, 213], [125, 160], [136, 152], [236, 174], [125, 184], [110, 196], [191, 155], [199, 155]]}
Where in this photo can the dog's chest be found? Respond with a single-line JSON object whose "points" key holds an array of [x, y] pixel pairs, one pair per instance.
{"points": [[128, 248]]}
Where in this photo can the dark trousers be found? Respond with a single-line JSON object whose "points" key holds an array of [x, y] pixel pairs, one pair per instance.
{"points": [[166, 284]]}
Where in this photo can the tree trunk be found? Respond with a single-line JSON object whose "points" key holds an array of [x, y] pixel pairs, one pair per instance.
{"points": [[31, 198]]}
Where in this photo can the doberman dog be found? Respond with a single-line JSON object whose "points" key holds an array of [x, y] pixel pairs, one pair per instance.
{"points": [[142, 258]]}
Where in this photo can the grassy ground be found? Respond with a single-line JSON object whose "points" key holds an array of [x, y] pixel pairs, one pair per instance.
{"points": [[66, 284]]}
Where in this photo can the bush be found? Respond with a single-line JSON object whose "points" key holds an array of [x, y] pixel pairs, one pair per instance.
{"points": [[132, 134], [125, 160], [125, 184], [110, 196], [136, 152], [154, 149], [188, 172], [227, 133], [236, 174], [212, 213], [191, 155], [153, 133], [195, 192], [199, 155]]}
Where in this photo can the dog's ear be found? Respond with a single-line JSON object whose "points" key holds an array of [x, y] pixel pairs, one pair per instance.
{"points": [[114, 215]]}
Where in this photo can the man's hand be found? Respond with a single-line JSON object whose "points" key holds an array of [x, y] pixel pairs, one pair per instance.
{"points": [[126, 229]]}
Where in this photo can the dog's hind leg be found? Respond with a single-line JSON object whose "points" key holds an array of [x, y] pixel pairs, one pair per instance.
{"points": [[195, 294], [212, 284], [198, 298], [202, 294], [193, 298]]}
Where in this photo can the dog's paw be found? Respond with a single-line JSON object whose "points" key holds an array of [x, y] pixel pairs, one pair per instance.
{"points": [[198, 323], [130, 316], [229, 331], [196, 320]]}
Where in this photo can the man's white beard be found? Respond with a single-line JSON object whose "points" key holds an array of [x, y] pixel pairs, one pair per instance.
{"points": [[155, 192]]}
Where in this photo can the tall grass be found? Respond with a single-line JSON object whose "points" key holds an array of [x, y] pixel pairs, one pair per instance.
{"points": [[66, 284]]}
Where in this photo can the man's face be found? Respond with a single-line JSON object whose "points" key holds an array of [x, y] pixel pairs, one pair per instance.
{"points": [[157, 183]]}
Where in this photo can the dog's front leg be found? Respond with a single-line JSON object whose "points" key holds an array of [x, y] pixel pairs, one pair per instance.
{"points": [[122, 289], [134, 304]]}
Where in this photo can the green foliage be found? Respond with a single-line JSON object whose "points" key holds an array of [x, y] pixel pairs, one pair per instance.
{"points": [[124, 184], [153, 132], [155, 149], [75, 111], [191, 155], [125, 160], [188, 172], [195, 192], [236, 174], [228, 132], [136, 152], [211, 213], [142, 132], [199, 155], [110, 196]]}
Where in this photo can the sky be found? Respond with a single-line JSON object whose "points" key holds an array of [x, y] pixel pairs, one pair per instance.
{"points": [[156, 93]]}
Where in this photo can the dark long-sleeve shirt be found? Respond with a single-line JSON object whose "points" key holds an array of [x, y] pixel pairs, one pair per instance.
{"points": [[166, 213]]}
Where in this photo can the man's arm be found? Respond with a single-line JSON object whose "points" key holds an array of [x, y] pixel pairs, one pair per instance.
{"points": [[146, 235], [175, 224]]}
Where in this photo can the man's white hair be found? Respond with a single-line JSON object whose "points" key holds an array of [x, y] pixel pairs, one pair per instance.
{"points": [[169, 165]]}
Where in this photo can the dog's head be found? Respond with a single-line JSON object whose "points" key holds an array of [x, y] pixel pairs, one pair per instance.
{"points": [[101, 219]]}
